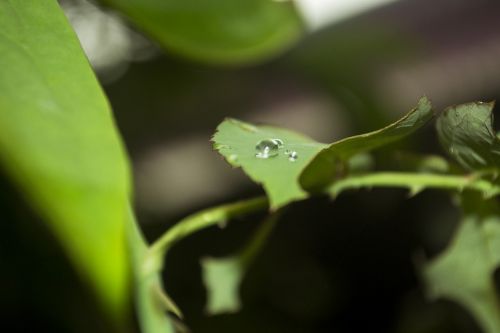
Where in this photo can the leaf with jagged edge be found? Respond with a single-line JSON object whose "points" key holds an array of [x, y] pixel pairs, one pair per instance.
{"points": [[466, 132], [237, 141], [222, 278], [327, 165], [317, 163], [464, 271]]}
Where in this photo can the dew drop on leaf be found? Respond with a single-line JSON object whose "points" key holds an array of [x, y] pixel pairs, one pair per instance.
{"points": [[268, 148], [279, 142], [293, 156]]}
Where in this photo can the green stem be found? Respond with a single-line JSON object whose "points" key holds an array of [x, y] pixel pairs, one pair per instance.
{"points": [[211, 216], [415, 182], [258, 240]]}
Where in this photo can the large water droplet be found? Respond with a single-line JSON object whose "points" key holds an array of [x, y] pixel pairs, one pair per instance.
{"points": [[268, 148], [279, 142], [292, 156]]}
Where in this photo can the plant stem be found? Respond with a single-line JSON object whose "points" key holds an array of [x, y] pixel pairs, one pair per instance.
{"points": [[211, 216], [415, 182], [258, 240]]}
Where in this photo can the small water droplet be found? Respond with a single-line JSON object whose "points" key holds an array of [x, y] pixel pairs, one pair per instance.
{"points": [[268, 148], [293, 156], [287, 152]]}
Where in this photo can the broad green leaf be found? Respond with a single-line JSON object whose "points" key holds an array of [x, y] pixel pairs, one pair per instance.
{"points": [[151, 309], [217, 31], [464, 272], [466, 132], [237, 142], [332, 160], [59, 144]]}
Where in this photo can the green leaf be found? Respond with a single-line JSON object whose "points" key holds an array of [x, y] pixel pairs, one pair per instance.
{"points": [[59, 144], [151, 310], [464, 272], [217, 31], [222, 278], [331, 161], [466, 132], [237, 142]]}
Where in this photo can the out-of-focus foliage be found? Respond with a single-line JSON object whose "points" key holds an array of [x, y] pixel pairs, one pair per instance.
{"points": [[464, 272], [222, 278], [466, 132], [59, 143], [217, 31]]}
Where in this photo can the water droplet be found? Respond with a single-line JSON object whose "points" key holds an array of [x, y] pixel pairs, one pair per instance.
{"points": [[279, 142], [268, 148], [287, 152], [293, 156]]}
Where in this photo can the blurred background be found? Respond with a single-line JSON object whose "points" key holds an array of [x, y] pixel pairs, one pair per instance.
{"points": [[343, 266]]}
